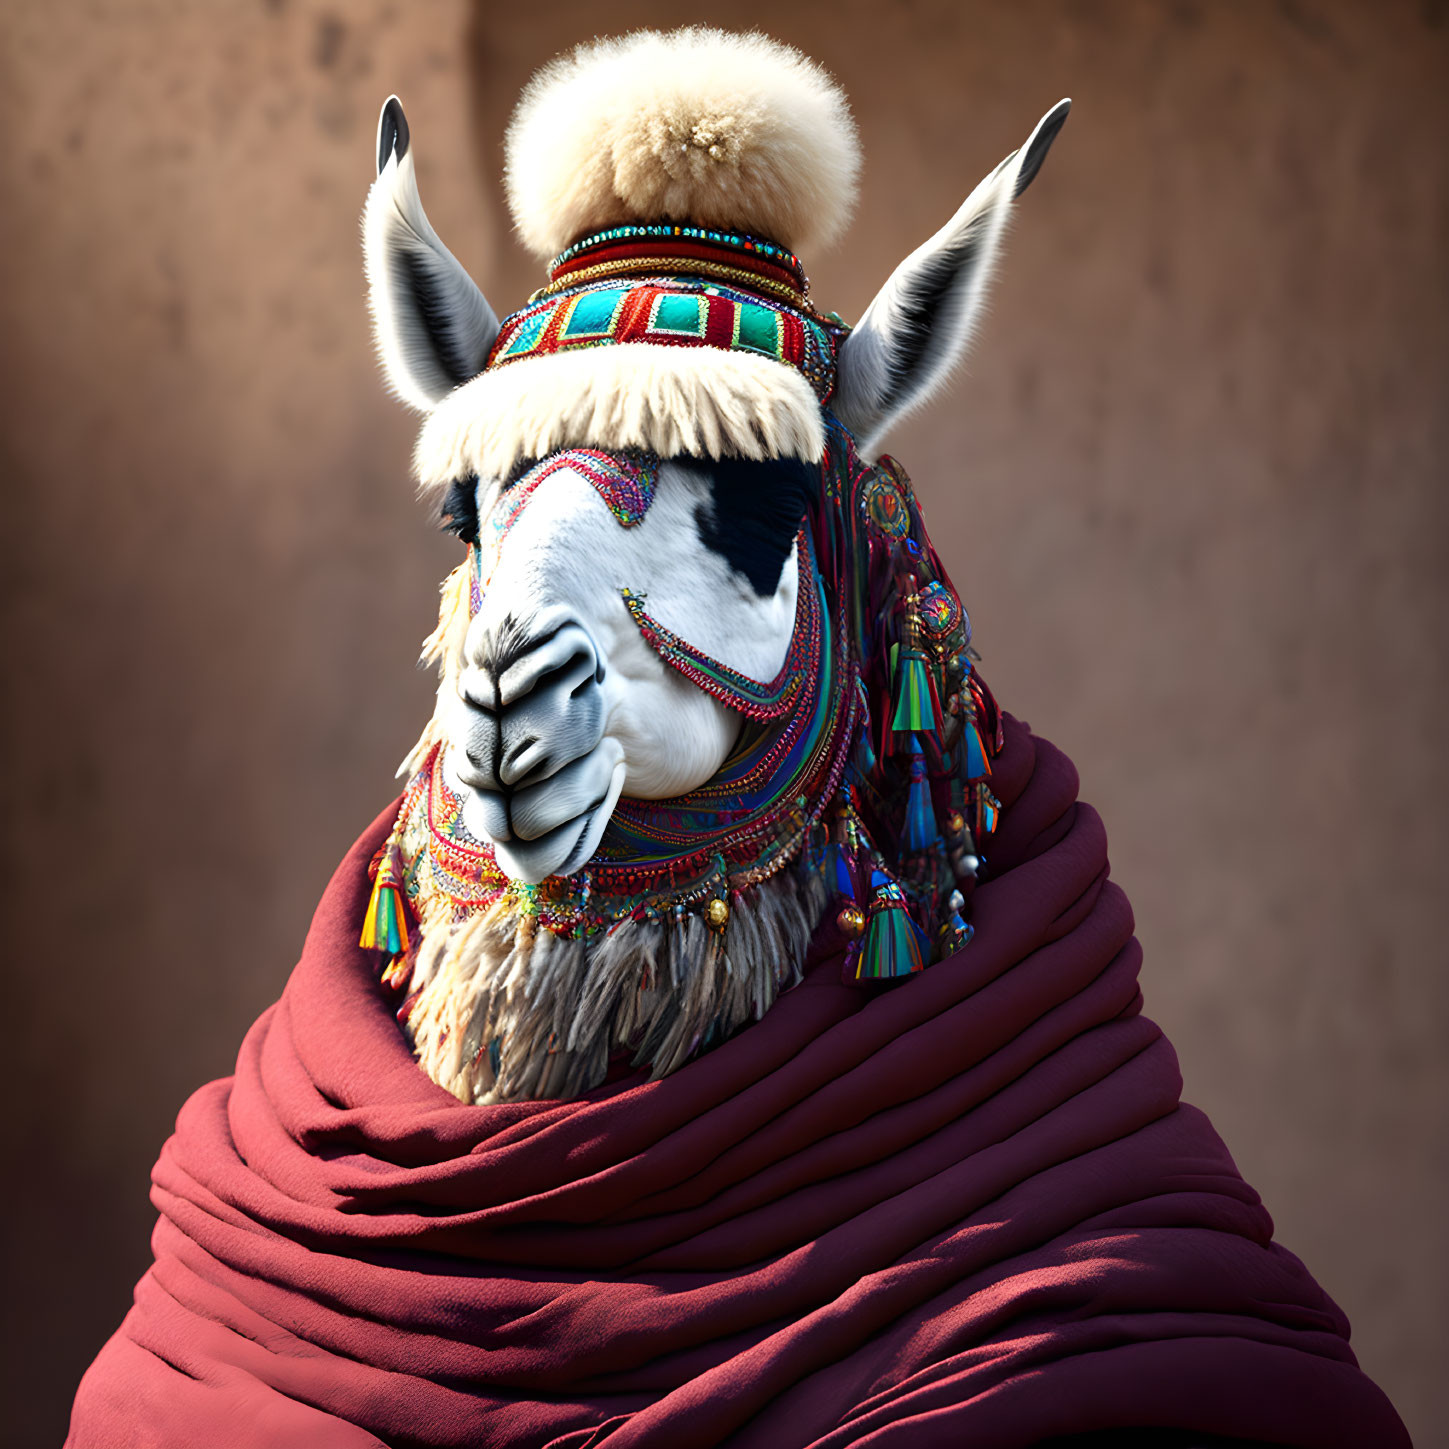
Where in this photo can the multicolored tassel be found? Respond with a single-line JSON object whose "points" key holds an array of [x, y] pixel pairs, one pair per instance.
{"points": [[917, 707], [894, 944], [977, 765], [915, 696], [385, 926]]}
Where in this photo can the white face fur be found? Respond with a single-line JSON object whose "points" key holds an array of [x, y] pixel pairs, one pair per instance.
{"points": [[561, 705]]}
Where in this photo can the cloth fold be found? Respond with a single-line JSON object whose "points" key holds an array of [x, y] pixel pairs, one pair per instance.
{"points": [[967, 1209]]}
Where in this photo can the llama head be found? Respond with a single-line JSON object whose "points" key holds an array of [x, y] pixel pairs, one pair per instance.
{"points": [[553, 704], [697, 643]]}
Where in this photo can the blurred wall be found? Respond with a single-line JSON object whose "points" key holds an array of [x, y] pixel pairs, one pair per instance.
{"points": [[1192, 485]]}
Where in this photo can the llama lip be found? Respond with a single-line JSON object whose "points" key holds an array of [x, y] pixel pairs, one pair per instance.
{"points": [[532, 861], [529, 840]]}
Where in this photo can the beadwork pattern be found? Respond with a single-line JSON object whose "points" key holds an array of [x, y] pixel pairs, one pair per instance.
{"points": [[672, 264], [625, 481], [751, 698], [671, 312], [737, 242]]}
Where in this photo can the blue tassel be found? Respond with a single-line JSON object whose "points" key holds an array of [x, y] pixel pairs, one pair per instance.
{"points": [[836, 868], [920, 829], [385, 924]]}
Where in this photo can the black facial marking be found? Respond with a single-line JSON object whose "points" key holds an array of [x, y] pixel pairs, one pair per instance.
{"points": [[754, 514], [459, 512], [920, 308]]}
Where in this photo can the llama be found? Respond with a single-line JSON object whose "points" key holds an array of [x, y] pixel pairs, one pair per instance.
{"points": [[562, 689], [784, 1082]]}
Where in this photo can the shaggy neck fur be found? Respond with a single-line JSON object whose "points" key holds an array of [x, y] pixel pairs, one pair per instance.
{"points": [[508, 1010]]}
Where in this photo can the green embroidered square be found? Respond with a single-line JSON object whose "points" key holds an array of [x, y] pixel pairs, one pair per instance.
{"points": [[528, 333], [758, 328], [593, 314], [681, 315]]}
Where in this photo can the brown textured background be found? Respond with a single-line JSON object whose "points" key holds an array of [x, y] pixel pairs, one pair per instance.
{"points": [[1193, 486]]}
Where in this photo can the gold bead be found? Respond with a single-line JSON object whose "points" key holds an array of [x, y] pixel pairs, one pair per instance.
{"points": [[717, 913], [955, 824], [851, 921]]}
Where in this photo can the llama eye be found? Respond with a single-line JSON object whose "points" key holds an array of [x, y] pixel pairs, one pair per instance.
{"points": [[459, 510], [755, 511]]}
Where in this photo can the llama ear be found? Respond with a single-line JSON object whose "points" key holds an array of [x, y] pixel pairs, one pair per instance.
{"points": [[432, 325], [920, 322]]}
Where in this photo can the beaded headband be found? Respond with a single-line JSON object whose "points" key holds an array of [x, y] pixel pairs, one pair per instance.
{"points": [[676, 286], [721, 255]]}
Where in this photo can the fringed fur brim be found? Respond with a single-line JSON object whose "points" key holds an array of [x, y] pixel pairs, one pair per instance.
{"points": [[701, 402]]}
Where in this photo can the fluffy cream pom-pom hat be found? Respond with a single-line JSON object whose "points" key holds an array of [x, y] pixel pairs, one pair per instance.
{"points": [[696, 125], [701, 127]]}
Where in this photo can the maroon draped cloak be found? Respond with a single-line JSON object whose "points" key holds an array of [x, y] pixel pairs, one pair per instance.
{"points": [[969, 1209]]}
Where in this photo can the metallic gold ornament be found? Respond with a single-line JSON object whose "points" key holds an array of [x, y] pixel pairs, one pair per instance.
{"points": [[717, 913], [851, 921]]}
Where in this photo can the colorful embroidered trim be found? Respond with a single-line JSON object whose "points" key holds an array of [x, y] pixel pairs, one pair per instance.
{"points": [[671, 312], [678, 263], [751, 698], [625, 481]]}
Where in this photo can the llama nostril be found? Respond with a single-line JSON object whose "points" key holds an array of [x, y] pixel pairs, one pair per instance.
{"points": [[478, 688], [560, 721], [566, 653], [521, 757]]}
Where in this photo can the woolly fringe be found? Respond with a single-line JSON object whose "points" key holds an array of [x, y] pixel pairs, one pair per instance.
{"points": [[704, 402], [505, 1010], [443, 648]]}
